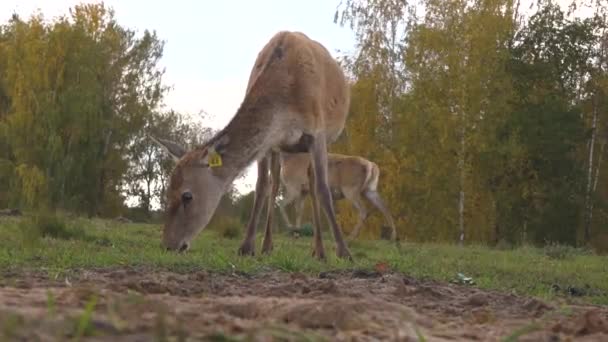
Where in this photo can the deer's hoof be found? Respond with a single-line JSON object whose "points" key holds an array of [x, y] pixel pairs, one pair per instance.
{"points": [[319, 254], [344, 253], [267, 248], [246, 249]]}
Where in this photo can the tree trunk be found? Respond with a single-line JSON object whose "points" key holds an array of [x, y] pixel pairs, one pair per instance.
{"points": [[461, 163], [98, 200], [149, 179], [591, 204], [588, 205], [597, 169], [496, 222]]}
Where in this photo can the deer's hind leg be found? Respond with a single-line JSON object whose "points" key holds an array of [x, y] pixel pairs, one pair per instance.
{"points": [[357, 202], [275, 169], [377, 201]]}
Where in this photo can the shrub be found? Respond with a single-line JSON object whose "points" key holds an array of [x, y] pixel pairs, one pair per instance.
{"points": [[503, 245], [46, 224], [305, 230], [558, 251], [228, 227]]}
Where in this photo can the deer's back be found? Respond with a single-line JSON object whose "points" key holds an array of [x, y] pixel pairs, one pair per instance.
{"points": [[300, 76]]}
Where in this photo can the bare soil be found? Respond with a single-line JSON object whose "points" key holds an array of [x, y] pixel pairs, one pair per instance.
{"points": [[137, 304]]}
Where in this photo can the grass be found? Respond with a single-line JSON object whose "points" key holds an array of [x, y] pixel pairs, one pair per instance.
{"points": [[83, 243], [84, 327]]}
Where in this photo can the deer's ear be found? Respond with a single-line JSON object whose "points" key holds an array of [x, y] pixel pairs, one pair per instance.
{"points": [[220, 144], [175, 150]]}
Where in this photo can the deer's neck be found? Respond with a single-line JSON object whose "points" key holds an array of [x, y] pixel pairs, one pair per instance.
{"points": [[250, 135]]}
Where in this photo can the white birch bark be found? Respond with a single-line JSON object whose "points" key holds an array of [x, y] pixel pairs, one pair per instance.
{"points": [[588, 206]]}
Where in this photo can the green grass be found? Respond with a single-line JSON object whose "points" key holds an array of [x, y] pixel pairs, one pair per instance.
{"points": [[97, 243]]}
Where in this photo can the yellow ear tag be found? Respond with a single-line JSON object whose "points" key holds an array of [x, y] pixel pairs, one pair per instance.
{"points": [[215, 160]]}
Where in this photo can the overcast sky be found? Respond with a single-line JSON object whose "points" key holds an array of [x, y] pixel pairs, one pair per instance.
{"points": [[212, 45]]}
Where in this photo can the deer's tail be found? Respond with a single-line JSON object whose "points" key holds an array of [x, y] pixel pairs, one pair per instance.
{"points": [[371, 177]]}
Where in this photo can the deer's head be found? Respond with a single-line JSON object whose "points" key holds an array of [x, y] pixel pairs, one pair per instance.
{"points": [[193, 193]]}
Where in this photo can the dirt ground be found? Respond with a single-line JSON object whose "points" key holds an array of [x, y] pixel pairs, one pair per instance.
{"points": [[143, 305]]}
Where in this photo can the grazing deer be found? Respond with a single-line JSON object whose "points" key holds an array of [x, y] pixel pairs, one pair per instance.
{"points": [[296, 100], [350, 177]]}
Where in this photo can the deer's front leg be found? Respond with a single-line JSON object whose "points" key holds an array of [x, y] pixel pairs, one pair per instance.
{"points": [[321, 186], [261, 191], [275, 170]]}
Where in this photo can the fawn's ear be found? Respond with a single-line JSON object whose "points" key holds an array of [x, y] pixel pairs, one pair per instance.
{"points": [[175, 150]]}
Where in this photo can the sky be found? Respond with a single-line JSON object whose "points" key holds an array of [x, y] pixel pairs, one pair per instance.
{"points": [[210, 46]]}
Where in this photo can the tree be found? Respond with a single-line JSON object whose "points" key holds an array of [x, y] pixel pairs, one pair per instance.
{"points": [[149, 166], [452, 89], [79, 87]]}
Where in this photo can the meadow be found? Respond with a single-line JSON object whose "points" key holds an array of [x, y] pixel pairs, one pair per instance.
{"points": [[46, 256]]}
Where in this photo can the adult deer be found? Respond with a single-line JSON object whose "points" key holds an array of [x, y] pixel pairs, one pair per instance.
{"points": [[297, 100], [350, 177]]}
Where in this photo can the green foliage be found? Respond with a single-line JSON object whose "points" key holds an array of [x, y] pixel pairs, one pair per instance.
{"points": [[487, 125], [558, 251], [149, 166], [34, 185], [306, 230], [79, 95], [228, 227], [548, 127], [49, 225], [84, 326], [243, 205], [75, 90], [483, 122]]}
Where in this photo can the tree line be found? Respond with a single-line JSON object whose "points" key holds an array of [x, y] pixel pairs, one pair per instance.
{"points": [[78, 96], [487, 118]]}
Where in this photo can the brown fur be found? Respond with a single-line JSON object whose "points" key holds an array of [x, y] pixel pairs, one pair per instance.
{"points": [[297, 96], [177, 179], [352, 176]]}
